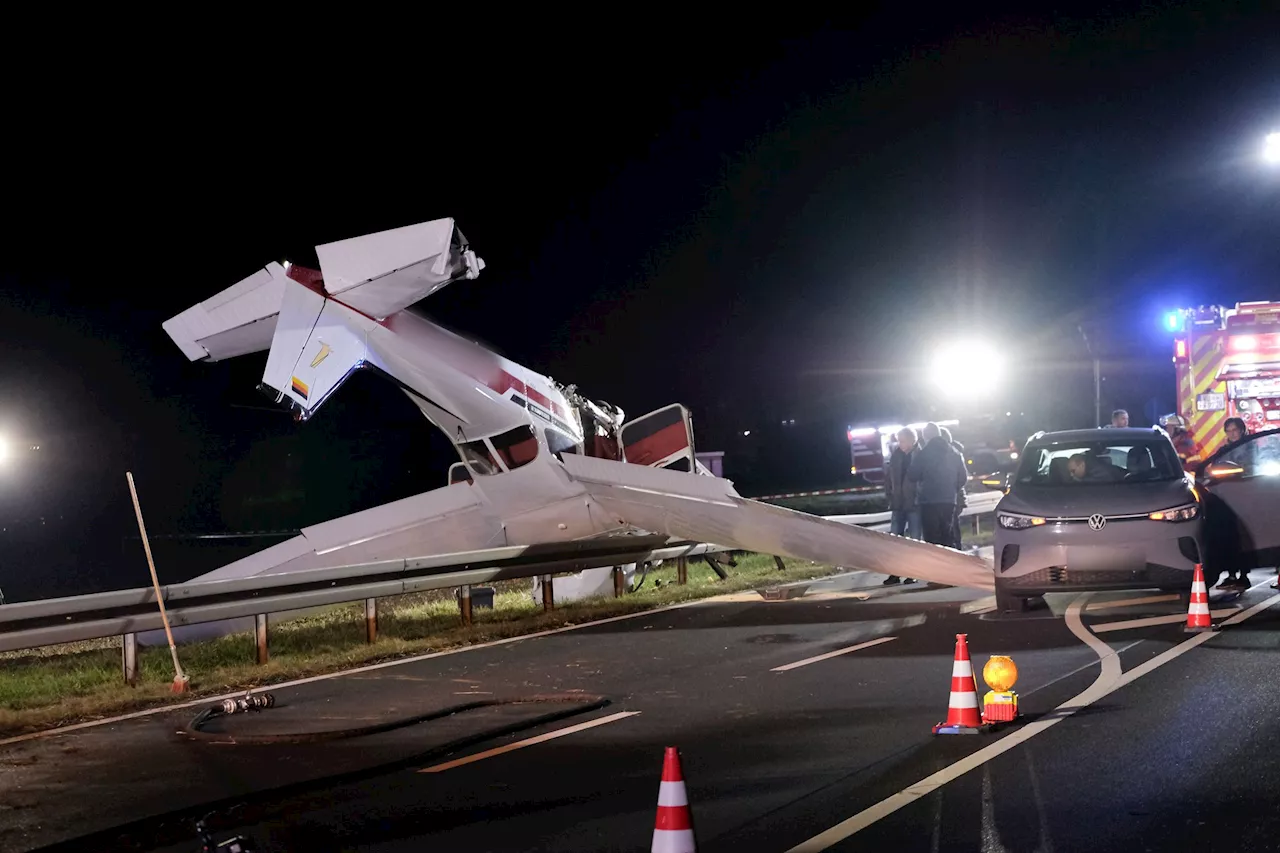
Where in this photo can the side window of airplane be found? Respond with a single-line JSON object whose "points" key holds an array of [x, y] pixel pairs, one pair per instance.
{"points": [[479, 458], [560, 443], [516, 447]]}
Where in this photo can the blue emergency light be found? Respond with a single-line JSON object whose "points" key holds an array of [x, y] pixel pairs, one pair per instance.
{"points": [[1174, 321]]}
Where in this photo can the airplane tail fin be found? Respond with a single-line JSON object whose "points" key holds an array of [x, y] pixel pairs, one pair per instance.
{"points": [[314, 323]]}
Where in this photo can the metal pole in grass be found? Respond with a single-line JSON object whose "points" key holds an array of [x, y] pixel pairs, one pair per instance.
{"points": [[181, 682]]}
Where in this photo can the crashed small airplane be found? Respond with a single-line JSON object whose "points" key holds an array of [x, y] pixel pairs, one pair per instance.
{"points": [[539, 464]]}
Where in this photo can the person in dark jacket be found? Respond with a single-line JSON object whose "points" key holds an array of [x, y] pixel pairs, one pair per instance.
{"points": [[962, 497], [901, 492], [941, 474]]}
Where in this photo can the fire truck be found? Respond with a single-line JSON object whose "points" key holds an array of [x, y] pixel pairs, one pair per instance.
{"points": [[990, 445], [1227, 362], [871, 447]]}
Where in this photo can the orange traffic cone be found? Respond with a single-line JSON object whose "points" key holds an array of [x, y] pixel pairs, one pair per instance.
{"points": [[673, 829], [1198, 613], [962, 710]]}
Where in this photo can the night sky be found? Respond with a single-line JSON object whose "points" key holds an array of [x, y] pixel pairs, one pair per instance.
{"points": [[765, 227]]}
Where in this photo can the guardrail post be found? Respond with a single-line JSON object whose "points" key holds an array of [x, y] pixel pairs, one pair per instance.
{"points": [[129, 654], [548, 595], [619, 582], [682, 570], [371, 620], [260, 631], [977, 527], [464, 603]]}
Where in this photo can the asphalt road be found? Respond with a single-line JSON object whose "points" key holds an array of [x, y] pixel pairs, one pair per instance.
{"points": [[1132, 738]]}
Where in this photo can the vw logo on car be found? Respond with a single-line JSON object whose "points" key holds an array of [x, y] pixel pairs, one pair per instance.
{"points": [[1097, 521]]}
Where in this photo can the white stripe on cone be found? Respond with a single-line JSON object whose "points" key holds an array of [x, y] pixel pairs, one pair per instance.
{"points": [[673, 841], [672, 794], [1199, 586], [962, 668], [964, 700], [1199, 609]]}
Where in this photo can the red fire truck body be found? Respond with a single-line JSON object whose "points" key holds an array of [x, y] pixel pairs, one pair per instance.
{"points": [[1227, 362]]}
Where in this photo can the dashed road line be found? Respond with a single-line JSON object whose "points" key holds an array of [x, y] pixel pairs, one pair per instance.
{"points": [[830, 655], [521, 744]]}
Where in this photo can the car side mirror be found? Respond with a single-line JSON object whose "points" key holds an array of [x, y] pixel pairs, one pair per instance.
{"points": [[1222, 470]]}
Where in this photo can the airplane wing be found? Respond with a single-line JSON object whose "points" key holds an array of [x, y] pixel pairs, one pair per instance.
{"points": [[442, 521], [708, 509]]}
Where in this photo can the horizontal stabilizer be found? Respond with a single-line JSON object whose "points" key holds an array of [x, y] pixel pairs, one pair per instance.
{"points": [[380, 274], [238, 321]]}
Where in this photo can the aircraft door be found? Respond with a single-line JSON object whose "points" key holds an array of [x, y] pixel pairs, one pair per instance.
{"points": [[660, 439]]}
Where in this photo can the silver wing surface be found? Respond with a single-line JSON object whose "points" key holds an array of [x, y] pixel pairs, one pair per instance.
{"points": [[708, 509]]}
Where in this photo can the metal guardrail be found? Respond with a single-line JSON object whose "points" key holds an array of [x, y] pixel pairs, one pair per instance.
{"points": [[128, 612]]}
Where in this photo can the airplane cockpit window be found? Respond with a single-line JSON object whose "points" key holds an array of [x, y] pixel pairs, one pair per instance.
{"points": [[479, 458], [560, 443], [516, 447]]}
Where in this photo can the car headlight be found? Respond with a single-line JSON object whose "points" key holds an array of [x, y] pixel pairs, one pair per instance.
{"points": [[1180, 513], [1018, 522]]}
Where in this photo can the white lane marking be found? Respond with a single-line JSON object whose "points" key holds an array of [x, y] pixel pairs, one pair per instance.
{"points": [[1130, 602], [830, 655], [1108, 679], [521, 744], [1156, 620], [1080, 668], [163, 709]]}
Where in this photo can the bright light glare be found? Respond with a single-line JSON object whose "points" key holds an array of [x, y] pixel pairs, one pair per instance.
{"points": [[1244, 342], [1269, 469], [1271, 150], [4, 449], [967, 368]]}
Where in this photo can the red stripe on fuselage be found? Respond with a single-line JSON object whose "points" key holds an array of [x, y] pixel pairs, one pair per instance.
{"points": [[506, 382], [313, 280]]}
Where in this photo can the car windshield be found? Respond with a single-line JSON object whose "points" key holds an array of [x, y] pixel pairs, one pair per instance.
{"points": [[1098, 463]]}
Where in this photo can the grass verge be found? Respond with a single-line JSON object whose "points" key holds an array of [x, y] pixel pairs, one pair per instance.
{"points": [[42, 688]]}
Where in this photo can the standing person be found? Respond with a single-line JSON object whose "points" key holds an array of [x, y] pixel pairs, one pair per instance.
{"points": [[962, 497], [1189, 450], [901, 492], [1233, 577], [1119, 418], [937, 468]]}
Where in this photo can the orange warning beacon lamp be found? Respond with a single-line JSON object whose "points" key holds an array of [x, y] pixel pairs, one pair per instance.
{"points": [[1000, 705]]}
